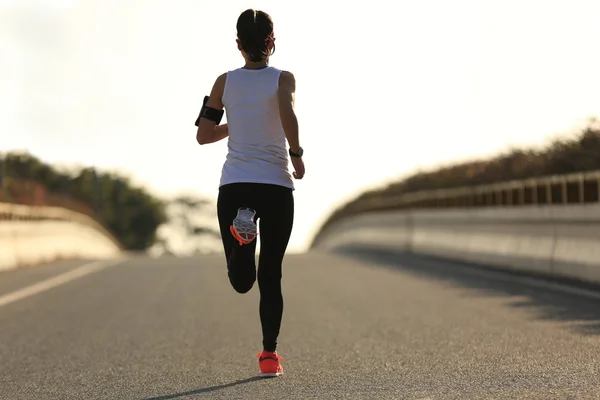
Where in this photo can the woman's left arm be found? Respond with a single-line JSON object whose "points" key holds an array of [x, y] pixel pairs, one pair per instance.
{"points": [[221, 132], [209, 131]]}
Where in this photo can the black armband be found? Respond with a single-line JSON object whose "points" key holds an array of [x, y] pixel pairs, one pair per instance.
{"points": [[209, 113]]}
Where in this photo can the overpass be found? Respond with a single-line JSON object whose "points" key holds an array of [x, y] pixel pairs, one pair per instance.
{"points": [[468, 295]]}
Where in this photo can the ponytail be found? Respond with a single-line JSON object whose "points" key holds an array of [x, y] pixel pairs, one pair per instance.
{"points": [[255, 32]]}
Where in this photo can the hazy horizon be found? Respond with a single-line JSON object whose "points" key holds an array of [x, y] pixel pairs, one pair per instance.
{"points": [[382, 91]]}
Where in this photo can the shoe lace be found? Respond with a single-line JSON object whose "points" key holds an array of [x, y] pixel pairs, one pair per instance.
{"points": [[263, 355]]}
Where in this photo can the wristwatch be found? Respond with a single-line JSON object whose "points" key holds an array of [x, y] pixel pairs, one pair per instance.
{"points": [[298, 154]]}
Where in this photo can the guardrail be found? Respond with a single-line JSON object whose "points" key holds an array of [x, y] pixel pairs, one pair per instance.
{"points": [[31, 193], [559, 241], [25, 213], [575, 188], [33, 235], [548, 225]]}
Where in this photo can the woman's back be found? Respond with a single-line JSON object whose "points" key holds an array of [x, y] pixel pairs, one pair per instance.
{"points": [[257, 141], [256, 184]]}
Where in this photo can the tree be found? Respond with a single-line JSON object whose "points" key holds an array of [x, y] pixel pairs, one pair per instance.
{"points": [[188, 229], [131, 213]]}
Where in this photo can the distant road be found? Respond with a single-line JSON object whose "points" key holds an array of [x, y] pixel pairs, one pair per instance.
{"points": [[354, 328]]}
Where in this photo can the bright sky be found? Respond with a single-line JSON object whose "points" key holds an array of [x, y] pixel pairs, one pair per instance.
{"points": [[383, 89]]}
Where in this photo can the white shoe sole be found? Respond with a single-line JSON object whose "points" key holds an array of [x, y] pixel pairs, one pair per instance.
{"points": [[271, 375], [245, 228]]}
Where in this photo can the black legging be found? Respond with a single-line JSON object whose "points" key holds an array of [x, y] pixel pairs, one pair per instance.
{"points": [[274, 207]]}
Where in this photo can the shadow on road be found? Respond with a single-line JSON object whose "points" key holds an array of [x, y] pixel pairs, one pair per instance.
{"points": [[205, 390], [582, 312]]}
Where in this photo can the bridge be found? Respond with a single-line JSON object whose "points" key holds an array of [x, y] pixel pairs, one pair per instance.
{"points": [[470, 295]]}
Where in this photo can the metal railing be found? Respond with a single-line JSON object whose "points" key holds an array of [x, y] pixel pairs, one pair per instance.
{"points": [[576, 188], [30, 193], [28, 201]]}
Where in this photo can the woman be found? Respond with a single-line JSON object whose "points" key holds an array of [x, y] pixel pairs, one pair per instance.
{"points": [[256, 184]]}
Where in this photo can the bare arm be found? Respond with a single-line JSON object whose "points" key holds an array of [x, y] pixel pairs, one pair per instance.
{"points": [[221, 132], [286, 96], [208, 131]]}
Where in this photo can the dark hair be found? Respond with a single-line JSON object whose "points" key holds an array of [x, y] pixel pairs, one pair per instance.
{"points": [[255, 32]]}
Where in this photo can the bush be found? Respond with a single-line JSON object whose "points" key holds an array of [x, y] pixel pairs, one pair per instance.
{"points": [[130, 213], [562, 156]]}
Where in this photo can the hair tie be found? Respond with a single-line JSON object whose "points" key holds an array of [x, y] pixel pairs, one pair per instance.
{"points": [[269, 37]]}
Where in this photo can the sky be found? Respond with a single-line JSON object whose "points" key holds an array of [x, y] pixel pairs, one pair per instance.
{"points": [[383, 88]]}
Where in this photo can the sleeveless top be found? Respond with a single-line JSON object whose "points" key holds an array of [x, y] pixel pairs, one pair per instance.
{"points": [[257, 150]]}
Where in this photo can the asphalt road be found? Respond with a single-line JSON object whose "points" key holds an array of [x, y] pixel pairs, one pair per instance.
{"points": [[354, 328]]}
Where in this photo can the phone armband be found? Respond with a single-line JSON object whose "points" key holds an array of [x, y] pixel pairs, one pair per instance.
{"points": [[209, 113]]}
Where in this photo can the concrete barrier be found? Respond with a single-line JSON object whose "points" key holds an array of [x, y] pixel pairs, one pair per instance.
{"points": [[560, 240], [34, 235]]}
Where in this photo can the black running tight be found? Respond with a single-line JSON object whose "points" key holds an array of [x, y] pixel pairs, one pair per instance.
{"points": [[274, 207]]}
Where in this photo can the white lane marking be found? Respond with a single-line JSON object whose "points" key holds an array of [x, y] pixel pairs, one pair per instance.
{"points": [[55, 281]]}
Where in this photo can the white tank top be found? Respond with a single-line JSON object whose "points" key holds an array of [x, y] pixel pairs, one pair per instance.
{"points": [[257, 150]]}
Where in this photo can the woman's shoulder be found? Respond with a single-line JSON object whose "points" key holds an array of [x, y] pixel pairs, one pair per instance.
{"points": [[220, 81], [286, 78], [281, 70]]}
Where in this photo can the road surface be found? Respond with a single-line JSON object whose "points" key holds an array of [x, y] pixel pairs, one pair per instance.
{"points": [[354, 328]]}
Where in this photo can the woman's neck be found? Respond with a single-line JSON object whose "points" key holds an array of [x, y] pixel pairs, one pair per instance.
{"points": [[256, 65]]}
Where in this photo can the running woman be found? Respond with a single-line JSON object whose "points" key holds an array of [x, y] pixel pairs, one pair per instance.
{"points": [[256, 184]]}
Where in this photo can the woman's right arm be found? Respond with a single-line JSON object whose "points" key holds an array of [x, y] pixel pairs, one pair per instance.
{"points": [[286, 95]]}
